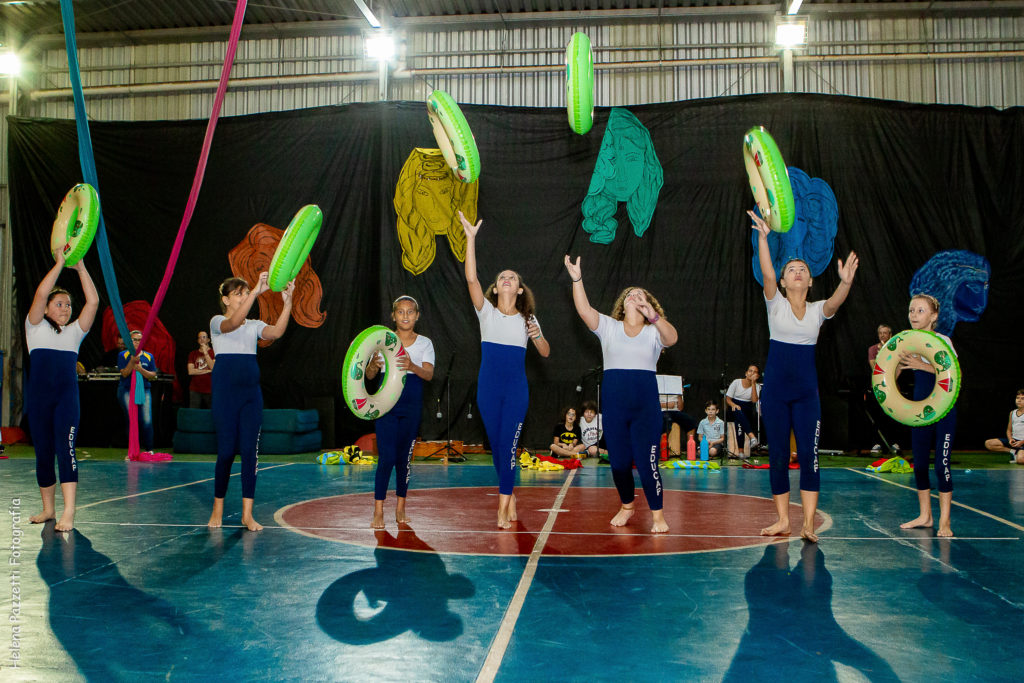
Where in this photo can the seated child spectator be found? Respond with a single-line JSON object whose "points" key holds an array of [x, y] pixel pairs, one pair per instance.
{"points": [[712, 429], [1013, 442], [566, 442], [591, 433]]}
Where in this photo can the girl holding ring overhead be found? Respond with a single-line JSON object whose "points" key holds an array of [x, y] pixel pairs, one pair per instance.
{"points": [[924, 312], [398, 428], [632, 339], [237, 397], [507, 325], [52, 402], [789, 397]]}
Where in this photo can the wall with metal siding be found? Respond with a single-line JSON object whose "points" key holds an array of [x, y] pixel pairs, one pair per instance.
{"points": [[851, 56]]}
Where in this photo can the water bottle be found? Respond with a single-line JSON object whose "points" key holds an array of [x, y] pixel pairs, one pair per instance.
{"points": [[691, 449], [704, 453]]}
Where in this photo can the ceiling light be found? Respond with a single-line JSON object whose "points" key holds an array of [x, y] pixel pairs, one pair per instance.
{"points": [[790, 34], [379, 46], [9, 63]]}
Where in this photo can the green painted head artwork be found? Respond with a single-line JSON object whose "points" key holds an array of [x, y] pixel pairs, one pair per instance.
{"points": [[627, 170], [373, 415], [943, 360], [357, 370], [461, 162], [879, 395], [893, 343], [390, 339], [928, 413]]}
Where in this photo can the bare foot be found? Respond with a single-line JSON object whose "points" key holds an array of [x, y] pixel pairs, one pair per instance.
{"points": [[215, 521], [944, 531], [251, 524], [623, 515], [67, 521], [780, 528], [512, 516], [807, 533], [401, 517], [378, 521], [922, 522], [503, 523], [43, 516], [660, 526]]}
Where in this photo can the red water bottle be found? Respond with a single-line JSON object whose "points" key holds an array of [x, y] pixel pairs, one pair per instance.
{"points": [[691, 449]]}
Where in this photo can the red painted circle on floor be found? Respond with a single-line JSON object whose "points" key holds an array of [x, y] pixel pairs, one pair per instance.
{"points": [[463, 521]]}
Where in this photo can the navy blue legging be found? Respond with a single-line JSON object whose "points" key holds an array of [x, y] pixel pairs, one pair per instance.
{"points": [[53, 413], [396, 434], [789, 402], [238, 418], [632, 420], [742, 419], [503, 396], [938, 436]]}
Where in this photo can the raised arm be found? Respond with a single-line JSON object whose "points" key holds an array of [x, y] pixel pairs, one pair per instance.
{"points": [[92, 298], [38, 308], [764, 256], [272, 332], [666, 330], [476, 293], [846, 273], [588, 313]]}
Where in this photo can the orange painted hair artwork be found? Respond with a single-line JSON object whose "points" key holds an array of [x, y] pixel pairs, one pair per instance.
{"points": [[252, 256], [428, 198]]}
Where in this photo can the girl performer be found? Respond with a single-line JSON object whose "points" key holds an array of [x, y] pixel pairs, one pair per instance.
{"points": [[53, 408], [237, 397], [631, 341], [924, 311], [789, 397], [507, 322], [398, 428]]}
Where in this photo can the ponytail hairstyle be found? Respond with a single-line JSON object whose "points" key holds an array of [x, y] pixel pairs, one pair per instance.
{"points": [[232, 284], [49, 297], [933, 303]]}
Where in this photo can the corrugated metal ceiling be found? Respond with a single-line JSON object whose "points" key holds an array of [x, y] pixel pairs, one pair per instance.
{"points": [[25, 19]]}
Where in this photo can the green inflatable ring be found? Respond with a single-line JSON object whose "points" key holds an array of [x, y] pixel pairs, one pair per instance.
{"points": [[579, 83], [769, 179], [453, 136], [75, 225], [294, 247], [936, 351], [372, 340]]}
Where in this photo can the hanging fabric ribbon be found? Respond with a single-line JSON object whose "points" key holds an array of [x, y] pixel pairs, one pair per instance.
{"points": [[89, 165]]}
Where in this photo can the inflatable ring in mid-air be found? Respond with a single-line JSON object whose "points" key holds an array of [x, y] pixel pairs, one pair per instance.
{"points": [[932, 348], [294, 247], [769, 179], [364, 405], [76, 223], [579, 83], [453, 136]]}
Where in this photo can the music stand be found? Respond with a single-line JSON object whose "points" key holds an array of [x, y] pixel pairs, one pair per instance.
{"points": [[445, 451]]}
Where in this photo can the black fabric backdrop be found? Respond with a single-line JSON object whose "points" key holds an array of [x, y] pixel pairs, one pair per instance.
{"points": [[910, 180]]}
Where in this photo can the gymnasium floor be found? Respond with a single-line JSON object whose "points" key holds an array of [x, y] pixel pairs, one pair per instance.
{"points": [[142, 590]]}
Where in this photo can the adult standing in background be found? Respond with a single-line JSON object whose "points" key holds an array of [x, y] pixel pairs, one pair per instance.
{"points": [[200, 369]]}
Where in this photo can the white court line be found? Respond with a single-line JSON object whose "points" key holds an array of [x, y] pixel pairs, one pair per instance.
{"points": [[508, 622], [505, 532], [167, 488], [1007, 522]]}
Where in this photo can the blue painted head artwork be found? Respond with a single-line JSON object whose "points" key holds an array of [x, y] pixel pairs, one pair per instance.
{"points": [[814, 228], [627, 170], [959, 280]]}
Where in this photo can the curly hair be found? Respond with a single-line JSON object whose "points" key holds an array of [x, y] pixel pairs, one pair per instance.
{"points": [[525, 303], [619, 309], [230, 285]]}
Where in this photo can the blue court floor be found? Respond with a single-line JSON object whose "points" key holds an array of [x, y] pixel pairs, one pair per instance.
{"points": [[142, 590]]}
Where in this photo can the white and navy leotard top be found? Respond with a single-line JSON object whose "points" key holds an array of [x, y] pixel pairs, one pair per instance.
{"points": [[241, 340], [784, 326], [503, 340], [54, 357], [421, 351], [622, 352]]}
